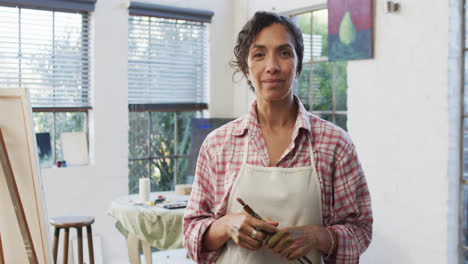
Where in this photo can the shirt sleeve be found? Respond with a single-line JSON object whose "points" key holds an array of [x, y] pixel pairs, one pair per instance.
{"points": [[199, 213], [352, 213]]}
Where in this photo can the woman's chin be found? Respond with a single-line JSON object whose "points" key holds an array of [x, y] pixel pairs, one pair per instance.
{"points": [[275, 96]]}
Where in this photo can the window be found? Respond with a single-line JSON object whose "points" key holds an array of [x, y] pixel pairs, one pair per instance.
{"points": [[322, 85], [463, 240], [47, 52], [159, 144], [167, 87]]}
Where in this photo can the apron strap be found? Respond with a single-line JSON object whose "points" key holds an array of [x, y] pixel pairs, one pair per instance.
{"points": [[246, 149], [311, 151]]}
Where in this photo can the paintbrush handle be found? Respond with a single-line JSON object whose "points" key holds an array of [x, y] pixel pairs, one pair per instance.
{"points": [[250, 211]]}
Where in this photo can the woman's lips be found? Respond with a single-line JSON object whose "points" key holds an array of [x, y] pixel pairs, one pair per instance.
{"points": [[272, 81]]}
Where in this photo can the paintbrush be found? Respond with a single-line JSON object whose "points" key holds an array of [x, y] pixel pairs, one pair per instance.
{"points": [[251, 212]]}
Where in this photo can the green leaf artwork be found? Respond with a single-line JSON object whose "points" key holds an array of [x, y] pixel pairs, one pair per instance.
{"points": [[349, 29], [347, 32]]}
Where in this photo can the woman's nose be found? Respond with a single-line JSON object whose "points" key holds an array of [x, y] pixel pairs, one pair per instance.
{"points": [[272, 65]]}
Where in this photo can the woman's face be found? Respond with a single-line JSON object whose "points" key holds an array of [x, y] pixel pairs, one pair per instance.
{"points": [[272, 63]]}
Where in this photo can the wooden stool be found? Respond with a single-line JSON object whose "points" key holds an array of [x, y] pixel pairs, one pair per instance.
{"points": [[77, 222]]}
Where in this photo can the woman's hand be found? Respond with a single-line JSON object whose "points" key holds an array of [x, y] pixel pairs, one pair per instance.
{"points": [[294, 241], [248, 232]]}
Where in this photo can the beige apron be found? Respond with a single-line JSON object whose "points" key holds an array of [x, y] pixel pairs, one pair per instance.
{"points": [[290, 196]]}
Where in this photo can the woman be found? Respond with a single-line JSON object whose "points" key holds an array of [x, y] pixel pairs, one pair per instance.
{"points": [[296, 170]]}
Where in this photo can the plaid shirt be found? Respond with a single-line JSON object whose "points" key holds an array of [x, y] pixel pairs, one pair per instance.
{"points": [[345, 196]]}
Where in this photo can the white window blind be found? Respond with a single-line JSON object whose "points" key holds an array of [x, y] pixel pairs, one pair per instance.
{"points": [[167, 63], [46, 51], [314, 48]]}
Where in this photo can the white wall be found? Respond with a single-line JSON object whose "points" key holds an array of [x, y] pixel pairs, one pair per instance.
{"points": [[89, 190], [398, 116], [398, 119]]}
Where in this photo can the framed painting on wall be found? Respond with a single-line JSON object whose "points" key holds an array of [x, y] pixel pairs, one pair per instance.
{"points": [[349, 29]]}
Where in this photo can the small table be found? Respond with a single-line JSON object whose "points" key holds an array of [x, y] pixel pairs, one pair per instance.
{"points": [[152, 226]]}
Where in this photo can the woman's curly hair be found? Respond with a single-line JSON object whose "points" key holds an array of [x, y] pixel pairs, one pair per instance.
{"points": [[250, 30]]}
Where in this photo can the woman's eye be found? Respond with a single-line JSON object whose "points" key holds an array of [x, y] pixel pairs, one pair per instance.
{"points": [[258, 55], [285, 53]]}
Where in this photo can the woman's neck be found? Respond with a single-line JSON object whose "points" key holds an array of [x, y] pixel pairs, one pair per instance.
{"points": [[277, 114]]}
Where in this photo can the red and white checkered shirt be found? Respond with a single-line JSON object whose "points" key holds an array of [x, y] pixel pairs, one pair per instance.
{"points": [[346, 200]]}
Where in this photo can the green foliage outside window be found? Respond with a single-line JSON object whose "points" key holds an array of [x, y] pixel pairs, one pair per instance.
{"points": [[325, 75], [320, 26], [153, 146], [323, 89]]}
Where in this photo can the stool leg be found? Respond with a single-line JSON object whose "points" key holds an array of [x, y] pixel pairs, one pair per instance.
{"points": [[56, 242], [80, 245], [65, 247], [90, 244]]}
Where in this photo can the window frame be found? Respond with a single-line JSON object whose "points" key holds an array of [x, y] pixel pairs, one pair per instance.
{"points": [[53, 136], [197, 107], [81, 7], [316, 60], [167, 18], [175, 156]]}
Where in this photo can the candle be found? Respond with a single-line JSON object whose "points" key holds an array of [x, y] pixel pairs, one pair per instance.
{"points": [[144, 189]]}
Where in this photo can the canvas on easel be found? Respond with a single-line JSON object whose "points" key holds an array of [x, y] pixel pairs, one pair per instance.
{"points": [[23, 167], [2, 259]]}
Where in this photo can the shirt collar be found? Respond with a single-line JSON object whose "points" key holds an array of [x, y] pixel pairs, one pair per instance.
{"points": [[303, 118], [251, 121], [248, 122]]}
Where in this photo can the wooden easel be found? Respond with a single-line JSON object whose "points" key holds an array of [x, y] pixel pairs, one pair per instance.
{"points": [[16, 200], [2, 259]]}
